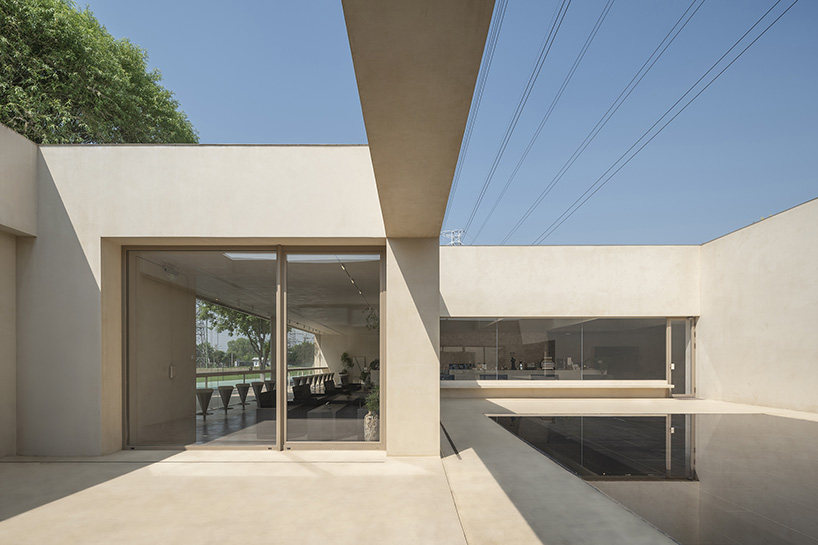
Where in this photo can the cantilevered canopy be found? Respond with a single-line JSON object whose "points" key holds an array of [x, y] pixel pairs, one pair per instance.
{"points": [[416, 63]]}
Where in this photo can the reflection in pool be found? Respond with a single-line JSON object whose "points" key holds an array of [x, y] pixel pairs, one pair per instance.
{"points": [[701, 479]]}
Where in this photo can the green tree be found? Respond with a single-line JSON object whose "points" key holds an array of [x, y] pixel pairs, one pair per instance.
{"points": [[301, 354], [254, 328], [241, 349], [65, 79], [207, 355]]}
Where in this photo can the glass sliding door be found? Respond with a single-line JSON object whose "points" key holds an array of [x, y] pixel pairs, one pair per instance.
{"points": [[200, 347], [333, 347]]}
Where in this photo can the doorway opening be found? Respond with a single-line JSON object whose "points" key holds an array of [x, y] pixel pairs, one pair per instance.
{"points": [[259, 348]]}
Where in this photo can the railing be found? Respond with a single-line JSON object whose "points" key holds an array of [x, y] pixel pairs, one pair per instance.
{"points": [[261, 374]]}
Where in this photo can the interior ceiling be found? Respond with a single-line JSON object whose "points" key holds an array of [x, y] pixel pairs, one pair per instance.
{"points": [[565, 326], [416, 64], [321, 297]]}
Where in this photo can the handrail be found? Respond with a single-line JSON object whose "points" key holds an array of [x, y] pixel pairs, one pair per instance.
{"points": [[263, 373]]}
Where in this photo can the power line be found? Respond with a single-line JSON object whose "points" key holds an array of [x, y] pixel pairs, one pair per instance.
{"points": [[596, 186], [485, 67], [547, 115], [683, 20], [532, 78]]}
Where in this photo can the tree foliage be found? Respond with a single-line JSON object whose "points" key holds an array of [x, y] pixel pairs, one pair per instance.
{"points": [[65, 79], [207, 354], [301, 354], [255, 329], [241, 349]]}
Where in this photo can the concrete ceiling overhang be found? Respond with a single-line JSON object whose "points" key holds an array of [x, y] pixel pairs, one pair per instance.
{"points": [[416, 63]]}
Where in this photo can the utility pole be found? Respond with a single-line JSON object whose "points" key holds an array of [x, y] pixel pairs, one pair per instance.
{"points": [[455, 236]]}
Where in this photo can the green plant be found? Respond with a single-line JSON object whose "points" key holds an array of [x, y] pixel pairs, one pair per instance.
{"points": [[373, 400], [375, 365], [346, 362]]}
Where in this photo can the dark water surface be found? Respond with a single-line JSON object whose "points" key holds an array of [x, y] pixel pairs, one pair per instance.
{"points": [[702, 479]]}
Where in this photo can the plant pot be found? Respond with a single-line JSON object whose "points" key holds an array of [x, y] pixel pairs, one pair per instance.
{"points": [[371, 427]]}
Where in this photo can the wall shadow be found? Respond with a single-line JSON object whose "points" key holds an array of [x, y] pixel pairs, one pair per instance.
{"points": [[58, 333], [556, 505], [29, 483], [756, 482]]}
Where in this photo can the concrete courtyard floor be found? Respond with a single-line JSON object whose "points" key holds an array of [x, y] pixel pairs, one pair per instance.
{"points": [[492, 489]]}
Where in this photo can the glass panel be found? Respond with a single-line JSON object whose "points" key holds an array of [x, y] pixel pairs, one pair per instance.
{"points": [[552, 348], [468, 349], [565, 336], [625, 348], [199, 367], [333, 347], [679, 355]]}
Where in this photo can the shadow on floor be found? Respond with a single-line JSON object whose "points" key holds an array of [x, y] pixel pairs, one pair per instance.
{"points": [[534, 500], [29, 483]]}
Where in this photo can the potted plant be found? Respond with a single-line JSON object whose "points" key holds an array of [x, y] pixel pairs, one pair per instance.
{"points": [[375, 368], [372, 418], [346, 364]]}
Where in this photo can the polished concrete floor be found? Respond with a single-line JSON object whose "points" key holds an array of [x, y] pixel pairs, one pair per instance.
{"points": [[489, 488]]}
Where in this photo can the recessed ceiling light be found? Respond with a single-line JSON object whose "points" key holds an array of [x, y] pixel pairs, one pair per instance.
{"points": [[250, 256]]}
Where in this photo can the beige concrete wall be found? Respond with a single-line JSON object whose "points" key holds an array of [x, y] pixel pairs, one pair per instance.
{"points": [[759, 296], [93, 199], [412, 347], [18, 183], [8, 346], [568, 281]]}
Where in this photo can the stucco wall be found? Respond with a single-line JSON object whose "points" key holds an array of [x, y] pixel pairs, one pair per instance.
{"points": [[569, 281], [412, 347], [8, 347], [18, 183], [94, 198], [759, 296]]}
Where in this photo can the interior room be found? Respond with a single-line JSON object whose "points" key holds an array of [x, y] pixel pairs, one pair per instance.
{"points": [[563, 348], [202, 348]]}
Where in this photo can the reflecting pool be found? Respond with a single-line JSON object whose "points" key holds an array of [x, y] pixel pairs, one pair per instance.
{"points": [[701, 479]]}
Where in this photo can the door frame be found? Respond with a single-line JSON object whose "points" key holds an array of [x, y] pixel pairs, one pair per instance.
{"points": [[281, 328], [690, 364], [278, 335]]}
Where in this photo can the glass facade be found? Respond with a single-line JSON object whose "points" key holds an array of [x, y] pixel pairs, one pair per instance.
{"points": [[555, 348], [203, 366], [200, 347], [333, 307]]}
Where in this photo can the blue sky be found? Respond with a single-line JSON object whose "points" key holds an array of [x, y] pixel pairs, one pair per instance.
{"points": [[747, 148]]}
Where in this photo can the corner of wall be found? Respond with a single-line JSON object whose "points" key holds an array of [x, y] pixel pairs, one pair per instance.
{"points": [[18, 173], [759, 306], [8, 345]]}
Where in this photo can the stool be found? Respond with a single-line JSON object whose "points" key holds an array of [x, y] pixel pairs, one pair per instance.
{"points": [[226, 392], [257, 388], [204, 395], [243, 388]]}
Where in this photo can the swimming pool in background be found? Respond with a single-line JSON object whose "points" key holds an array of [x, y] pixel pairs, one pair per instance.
{"points": [[701, 479]]}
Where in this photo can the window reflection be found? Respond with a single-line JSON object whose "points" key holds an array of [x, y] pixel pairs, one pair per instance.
{"points": [[553, 349]]}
